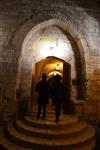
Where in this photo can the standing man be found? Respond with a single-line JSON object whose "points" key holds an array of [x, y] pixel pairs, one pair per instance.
{"points": [[42, 88], [58, 94]]}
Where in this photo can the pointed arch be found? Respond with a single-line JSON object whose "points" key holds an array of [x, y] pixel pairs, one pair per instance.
{"points": [[34, 24]]}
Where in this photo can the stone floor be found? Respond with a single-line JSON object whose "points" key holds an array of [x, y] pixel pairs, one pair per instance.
{"points": [[97, 147], [16, 147], [13, 147]]}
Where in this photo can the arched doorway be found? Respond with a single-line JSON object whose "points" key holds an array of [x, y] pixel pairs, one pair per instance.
{"points": [[29, 56], [51, 66]]}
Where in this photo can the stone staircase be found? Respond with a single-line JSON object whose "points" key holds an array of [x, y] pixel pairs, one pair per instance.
{"points": [[69, 134]]}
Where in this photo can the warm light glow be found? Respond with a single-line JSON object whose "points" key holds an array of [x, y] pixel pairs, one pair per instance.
{"points": [[57, 67], [53, 73], [45, 50], [51, 49]]}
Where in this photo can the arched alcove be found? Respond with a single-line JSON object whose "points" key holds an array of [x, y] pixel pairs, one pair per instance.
{"points": [[31, 27], [49, 66]]}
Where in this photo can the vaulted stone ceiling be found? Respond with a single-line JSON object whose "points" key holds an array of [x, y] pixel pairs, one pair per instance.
{"points": [[51, 66], [49, 42]]}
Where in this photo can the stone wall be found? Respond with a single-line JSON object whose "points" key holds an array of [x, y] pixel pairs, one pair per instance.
{"points": [[85, 20], [93, 77]]}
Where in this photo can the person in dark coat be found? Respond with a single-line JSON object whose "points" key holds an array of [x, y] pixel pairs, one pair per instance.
{"points": [[42, 87], [58, 93]]}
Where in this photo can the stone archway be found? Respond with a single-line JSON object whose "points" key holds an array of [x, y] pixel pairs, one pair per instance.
{"points": [[48, 66], [32, 26]]}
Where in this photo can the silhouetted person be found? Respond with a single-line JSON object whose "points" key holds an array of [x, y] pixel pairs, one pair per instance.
{"points": [[42, 88], [58, 95]]}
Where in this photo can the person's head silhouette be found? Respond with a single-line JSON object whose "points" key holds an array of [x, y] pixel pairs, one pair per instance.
{"points": [[44, 76], [57, 78]]}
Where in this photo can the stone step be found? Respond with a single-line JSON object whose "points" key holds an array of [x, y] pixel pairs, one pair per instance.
{"points": [[73, 143], [49, 133], [48, 123], [10, 145]]}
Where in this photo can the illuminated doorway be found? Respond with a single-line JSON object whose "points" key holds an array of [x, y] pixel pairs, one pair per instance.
{"points": [[51, 66]]}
